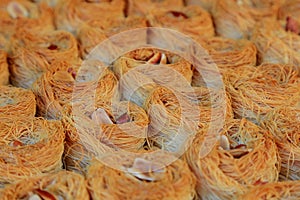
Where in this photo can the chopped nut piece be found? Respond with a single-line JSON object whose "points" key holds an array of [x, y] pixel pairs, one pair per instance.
{"points": [[292, 25], [238, 153], [179, 14], [45, 195], [16, 10], [53, 47], [100, 116], [155, 59], [259, 182], [224, 142], [16, 143], [124, 118], [240, 146], [163, 59], [73, 73], [146, 170]]}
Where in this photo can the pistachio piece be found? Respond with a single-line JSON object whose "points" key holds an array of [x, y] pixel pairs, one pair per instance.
{"points": [[100, 116], [16, 10]]}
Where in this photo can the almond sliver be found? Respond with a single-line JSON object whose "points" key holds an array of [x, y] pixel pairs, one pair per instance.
{"points": [[224, 142]]}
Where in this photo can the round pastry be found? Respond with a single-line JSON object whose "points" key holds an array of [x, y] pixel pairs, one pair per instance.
{"points": [[236, 18], [152, 56], [244, 155], [277, 43], [25, 14], [16, 102], [71, 14], [34, 53], [191, 20], [93, 32], [128, 128], [173, 119], [31, 150], [228, 53], [255, 91], [54, 89], [61, 185], [145, 176], [284, 124]]}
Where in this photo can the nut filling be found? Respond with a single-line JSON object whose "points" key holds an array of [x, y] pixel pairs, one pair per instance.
{"points": [[146, 170], [236, 149], [16, 10]]}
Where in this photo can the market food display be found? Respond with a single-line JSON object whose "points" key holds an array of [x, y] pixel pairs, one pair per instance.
{"points": [[153, 99]]}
